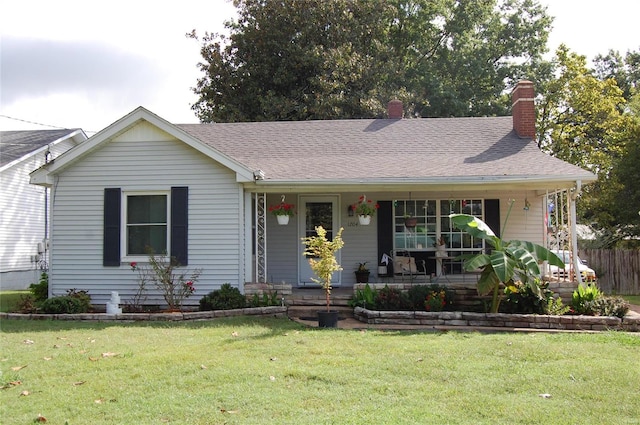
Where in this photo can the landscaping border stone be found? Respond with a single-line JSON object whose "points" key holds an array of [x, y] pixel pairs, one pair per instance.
{"points": [[497, 320], [276, 311]]}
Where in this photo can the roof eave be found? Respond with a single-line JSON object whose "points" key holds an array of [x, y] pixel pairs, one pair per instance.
{"points": [[449, 183]]}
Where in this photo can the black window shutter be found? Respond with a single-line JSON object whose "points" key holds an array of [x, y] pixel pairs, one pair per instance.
{"points": [[179, 224], [111, 240], [385, 230], [492, 215]]}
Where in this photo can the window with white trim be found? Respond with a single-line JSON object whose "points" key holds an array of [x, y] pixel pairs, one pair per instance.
{"points": [[430, 222], [146, 220]]}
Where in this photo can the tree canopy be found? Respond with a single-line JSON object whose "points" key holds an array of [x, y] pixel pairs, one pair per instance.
{"points": [[587, 119], [319, 59]]}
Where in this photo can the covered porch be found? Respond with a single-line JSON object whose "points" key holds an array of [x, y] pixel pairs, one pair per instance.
{"points": [[395, 251]]}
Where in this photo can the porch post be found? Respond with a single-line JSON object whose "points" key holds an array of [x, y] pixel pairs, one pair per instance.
{"points": [[573, 195], [261, 237]]}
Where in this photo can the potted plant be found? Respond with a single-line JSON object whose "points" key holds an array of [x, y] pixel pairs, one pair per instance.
{"points": [[362, 273], [282, 211], [321, 253], [365, 209], [410, 221]]}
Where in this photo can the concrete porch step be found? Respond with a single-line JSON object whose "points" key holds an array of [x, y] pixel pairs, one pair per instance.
{"points": [[309, 312], [340, 297]]}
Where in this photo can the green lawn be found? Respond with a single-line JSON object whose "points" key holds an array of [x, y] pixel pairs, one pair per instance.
{"points": [[254, 371], [633, 299], [9, 300]]}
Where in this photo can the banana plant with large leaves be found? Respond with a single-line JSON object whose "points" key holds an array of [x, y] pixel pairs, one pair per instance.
{"points": [[507, 262]]}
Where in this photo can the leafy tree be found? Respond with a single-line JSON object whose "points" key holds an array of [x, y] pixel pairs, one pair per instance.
{"points": [[319, 59], [584, 119], [580, 117], [626, 71]]}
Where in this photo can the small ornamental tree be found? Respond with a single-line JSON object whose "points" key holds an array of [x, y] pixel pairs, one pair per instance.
{"points": [[322, 258]]}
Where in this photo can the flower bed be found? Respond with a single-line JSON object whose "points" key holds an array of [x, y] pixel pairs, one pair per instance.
{"points": [[461, 319], [134, 317]]}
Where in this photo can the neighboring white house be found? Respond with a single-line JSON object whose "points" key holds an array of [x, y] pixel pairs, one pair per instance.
{"points": [[24, 207], [202, 192]]}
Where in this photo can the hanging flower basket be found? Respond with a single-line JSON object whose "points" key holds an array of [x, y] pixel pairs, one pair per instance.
{"points": [[283, 220], [410, 222], [282, 211], [365, 220], [364, 207]]}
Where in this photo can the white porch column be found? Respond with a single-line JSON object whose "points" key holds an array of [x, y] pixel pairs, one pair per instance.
{"points": [[573, 196]]}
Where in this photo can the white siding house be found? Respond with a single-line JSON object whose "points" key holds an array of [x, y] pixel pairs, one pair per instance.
{"points": [[24, 207], [202, 193]]}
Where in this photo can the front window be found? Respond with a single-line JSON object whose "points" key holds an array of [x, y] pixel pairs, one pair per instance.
{"points": [[146, 221], [420, 224]]}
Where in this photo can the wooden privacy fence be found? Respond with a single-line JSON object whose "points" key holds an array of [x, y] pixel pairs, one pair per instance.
{"points": [[618, 270]]}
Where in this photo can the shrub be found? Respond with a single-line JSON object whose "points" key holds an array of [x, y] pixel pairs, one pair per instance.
{"points": [[391, 299], [40, 290], [225, 298], [365, 298], [609, 306], [64, 304], [27, 304], [267, 299], [83, 296], [583, 297], [163, 272]]}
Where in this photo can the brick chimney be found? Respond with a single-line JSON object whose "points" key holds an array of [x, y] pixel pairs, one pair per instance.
{"points": [[523, 110], [394, 109]]}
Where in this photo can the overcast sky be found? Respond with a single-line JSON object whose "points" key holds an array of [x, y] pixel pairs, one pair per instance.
{"points": [[79, 63]]}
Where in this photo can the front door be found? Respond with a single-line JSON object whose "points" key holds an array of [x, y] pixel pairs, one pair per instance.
{"points": [[316, 211]]}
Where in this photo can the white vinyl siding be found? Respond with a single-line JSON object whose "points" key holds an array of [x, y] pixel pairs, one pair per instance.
{"points": [[144, 159], [22, 211]]}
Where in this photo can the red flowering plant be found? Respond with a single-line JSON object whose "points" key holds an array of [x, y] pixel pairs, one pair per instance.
{"points": [[365, 206], [282, 209]]}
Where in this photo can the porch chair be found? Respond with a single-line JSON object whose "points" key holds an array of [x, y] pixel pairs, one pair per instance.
{"points": [[405, 265]]}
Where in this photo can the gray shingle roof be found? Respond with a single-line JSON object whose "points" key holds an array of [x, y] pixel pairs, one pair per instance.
{"points": [[16, 144], [383, 149]]}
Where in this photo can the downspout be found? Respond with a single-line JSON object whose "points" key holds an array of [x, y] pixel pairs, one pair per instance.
{"points": [[574, 236]]}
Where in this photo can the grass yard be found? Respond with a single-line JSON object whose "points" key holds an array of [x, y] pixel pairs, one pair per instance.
{"points": [[255, 371], [9, 300], [633, 299]]}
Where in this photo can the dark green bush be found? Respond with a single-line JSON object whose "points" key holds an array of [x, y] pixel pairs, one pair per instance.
{"points": [[225, 298], [64, 304], [83, 296], [40, 290], [392, 299]]}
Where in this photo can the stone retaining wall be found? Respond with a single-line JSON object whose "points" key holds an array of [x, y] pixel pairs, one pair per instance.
{"points": [[496, 320], [261, 288], [135, 317]]}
